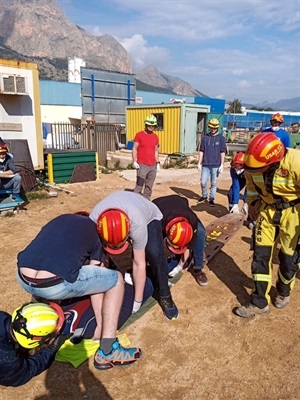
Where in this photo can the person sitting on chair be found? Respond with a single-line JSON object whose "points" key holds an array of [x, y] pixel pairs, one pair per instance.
{"points": [[9, 178]]}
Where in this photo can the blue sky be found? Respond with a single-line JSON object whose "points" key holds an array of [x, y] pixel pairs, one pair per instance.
{"points": [[245, 49]]}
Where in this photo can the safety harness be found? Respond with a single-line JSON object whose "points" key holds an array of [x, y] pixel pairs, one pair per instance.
{"points": [[279, 203]]}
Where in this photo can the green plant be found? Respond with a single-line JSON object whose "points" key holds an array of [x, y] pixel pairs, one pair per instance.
{"points": [[106, 171], [37, 195], [9, 214]]}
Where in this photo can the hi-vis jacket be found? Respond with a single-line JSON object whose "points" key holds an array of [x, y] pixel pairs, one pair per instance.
{"points": [[281, 183]]}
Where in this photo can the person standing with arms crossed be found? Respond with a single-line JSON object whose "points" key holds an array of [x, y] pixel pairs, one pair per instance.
{"points": [[145, 157]]}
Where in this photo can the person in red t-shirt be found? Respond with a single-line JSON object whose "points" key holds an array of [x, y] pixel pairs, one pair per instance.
{"points": [[145, 157]]}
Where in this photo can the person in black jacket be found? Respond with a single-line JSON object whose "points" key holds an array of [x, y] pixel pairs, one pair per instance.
{"points": [[184, 234], [29, 327], [17, 341]]}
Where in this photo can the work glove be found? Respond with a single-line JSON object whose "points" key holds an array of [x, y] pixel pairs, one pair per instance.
{"points": [[58, 342], [128, 278], [175, 271], [221, 169], [235, 209], [136, 306], [245, 209], [199, 167], [158, 166], [136, 165], [64, 334]]}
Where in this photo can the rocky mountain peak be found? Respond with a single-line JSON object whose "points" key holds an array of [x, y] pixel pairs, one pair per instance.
{"points": [[39, 31], [39, 28]]}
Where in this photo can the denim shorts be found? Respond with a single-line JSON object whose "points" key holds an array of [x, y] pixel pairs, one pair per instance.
{"points": [[91, 280]]}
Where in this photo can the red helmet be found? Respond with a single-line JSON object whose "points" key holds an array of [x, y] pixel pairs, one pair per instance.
{"points": [[277, 118], [263, 149], [238, 160], [179, 234], [3, 148], [113, 227]]}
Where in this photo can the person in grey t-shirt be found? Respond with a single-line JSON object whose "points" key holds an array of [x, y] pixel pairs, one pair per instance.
{"points": [[125, 218]]}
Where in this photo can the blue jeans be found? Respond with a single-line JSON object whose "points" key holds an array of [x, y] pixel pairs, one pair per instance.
{"points": [[198, 247], [13, 183], [212, 174], [155, 256], [91, 280]]}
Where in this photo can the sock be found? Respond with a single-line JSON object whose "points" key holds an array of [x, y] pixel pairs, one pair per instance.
{"points": [[106, 345]]}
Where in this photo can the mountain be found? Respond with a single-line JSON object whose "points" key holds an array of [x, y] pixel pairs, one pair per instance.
{"points": [[283, 105], [152, 76], [38, 31]]}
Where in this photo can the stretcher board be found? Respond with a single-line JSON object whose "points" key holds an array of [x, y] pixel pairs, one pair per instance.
{"points": [[220, 231]]}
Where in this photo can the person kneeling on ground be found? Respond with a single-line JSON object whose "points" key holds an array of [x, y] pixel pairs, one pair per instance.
{"points": [[238, 178], [29, 340], [54, 267], [128, 219], [184, 234]]}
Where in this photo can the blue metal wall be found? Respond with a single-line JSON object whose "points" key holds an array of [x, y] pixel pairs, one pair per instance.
{"points": [[60, 93], [217, 106], [256, 119], [159, 98]]}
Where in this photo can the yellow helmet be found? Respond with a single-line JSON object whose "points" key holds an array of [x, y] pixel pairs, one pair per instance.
{"points": [[213, 123], [33, 324], [151, 120]]}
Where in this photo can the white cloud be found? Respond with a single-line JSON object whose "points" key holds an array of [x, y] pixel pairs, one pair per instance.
{"points": [[244, 84], [141, 53], [246, 48]]}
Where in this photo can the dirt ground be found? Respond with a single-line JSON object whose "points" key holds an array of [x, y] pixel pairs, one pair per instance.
{"points": [[208, 353]]}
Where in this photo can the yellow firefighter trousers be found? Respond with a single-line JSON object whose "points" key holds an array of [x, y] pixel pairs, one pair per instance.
{"points": [[267, 235]]}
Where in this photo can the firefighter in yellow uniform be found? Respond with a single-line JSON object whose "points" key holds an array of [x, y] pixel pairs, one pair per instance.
{"points": [[273, 196]]}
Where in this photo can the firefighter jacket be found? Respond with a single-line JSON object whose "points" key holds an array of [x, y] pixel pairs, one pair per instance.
{"points": [[280, 182]]}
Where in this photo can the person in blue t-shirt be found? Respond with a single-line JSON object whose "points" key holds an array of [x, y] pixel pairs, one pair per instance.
{"points": [[276, 120], [211, 160]]}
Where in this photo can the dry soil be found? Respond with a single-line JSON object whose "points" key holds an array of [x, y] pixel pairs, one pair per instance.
{"points": [[208, 353]]}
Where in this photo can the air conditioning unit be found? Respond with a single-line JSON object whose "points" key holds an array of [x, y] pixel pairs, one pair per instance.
{"points": [[13, 84]]}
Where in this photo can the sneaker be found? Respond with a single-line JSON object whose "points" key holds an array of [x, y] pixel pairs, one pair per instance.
{"points": [[200, 277], [17, 199], [118, 356], [251, 310], [169, 308], [281, 301], [212, 203], [202, 200]]}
